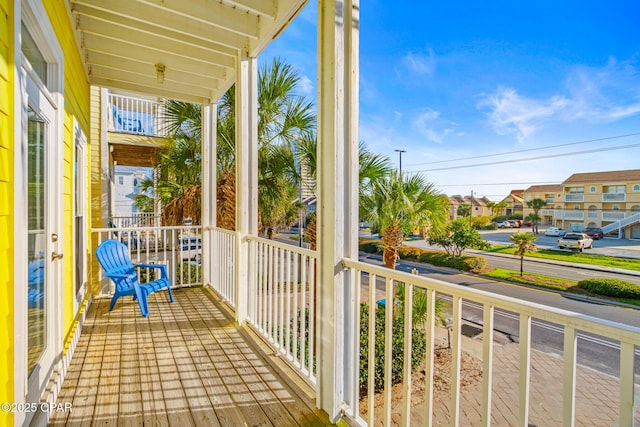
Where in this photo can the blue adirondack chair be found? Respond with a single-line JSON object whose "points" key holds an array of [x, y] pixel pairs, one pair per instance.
{"points": [[114, 259]]}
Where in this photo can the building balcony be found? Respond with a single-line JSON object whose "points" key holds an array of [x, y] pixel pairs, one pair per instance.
{"points": [[613, 215], [574, 197], [614, 197], [573, 215], [550, 200], [191, 363], [136, 116]]}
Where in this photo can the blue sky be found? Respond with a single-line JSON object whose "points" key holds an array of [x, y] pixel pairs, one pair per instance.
{"points": [[456, 84]]}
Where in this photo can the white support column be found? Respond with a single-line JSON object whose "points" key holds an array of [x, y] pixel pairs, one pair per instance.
{"points": [[209, 188], [246, 177], [338, 23]]}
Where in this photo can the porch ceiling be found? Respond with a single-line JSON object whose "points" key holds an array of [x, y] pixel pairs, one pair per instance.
{"points": [[197, 41]]}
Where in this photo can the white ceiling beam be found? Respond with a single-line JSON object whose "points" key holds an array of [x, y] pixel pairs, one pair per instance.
{"points": [[149, 90], [162, 18], [94, 45], [259, 7], [287, 11], [115, 31], [171, 75], [162, 31], [148, 80], [211, 12]]}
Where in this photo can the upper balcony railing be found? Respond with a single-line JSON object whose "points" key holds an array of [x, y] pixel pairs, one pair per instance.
{"points": [[136, 116], [574, 197], [613, 215], [550, 200], [575, 215], [614, 197]]}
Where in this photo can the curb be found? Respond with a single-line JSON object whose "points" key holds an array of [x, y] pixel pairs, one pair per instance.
{"points": [[569, 295]]}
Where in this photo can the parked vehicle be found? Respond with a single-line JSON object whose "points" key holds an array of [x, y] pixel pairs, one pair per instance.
{"points": [[575, 241], [504, 224], [555, 232], [514, 223], [190, 248], [594, 233]]}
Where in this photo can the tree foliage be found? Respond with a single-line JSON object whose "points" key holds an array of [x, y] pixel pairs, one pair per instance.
{"points": [[403, 201], [458, 236], [524, 243], [536, 204]]}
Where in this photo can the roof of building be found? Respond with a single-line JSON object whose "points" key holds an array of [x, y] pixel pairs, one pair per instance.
{"points": [[476, 201], [609, 176], [517, 196], [549, 188]]}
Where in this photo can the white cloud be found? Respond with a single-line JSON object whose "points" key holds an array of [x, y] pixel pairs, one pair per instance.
{"points": [[420, 63], [429, 124], [305, 86], [511, 113], [603, 94]]}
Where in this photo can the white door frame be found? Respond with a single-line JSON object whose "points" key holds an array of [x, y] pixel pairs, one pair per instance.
{"points": [[50, 96]]}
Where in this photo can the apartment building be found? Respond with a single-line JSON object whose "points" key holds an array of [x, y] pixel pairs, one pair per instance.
{"points": [[610, 200], [553, 196], [514, 203], [479, 205]]}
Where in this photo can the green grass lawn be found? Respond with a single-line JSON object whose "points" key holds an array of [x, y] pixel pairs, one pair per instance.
{"points": [[577, 257], [548, 282]]}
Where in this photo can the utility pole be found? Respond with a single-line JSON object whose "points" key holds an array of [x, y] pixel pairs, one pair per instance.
{"points": [[471, 209], [399, 151]]}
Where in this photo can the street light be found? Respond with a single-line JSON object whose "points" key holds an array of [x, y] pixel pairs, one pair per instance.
{"points": [[400, 154]]}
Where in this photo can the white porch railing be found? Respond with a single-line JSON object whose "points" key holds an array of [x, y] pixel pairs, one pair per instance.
{"points": [[179, 248], [569, 323], [136, 116], [222, 257], [282, 301], [630, 220], [138, 219]]}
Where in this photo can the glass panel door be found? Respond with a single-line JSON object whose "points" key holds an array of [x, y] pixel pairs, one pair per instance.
{"points": [[36, 239]]}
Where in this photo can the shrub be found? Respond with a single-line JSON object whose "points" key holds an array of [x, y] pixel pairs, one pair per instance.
{"points": [[397, 352], [464, 263], [409, 252], [611, 287], [371, 246]]}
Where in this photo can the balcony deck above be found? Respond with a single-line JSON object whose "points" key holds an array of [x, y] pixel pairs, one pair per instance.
{"points": [[186, 364]]}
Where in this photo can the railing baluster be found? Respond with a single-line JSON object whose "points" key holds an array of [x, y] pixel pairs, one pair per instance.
{"points": [[627, 376], [569, 376], [487, 363], [372, 349], [406, 368], [456, 354], [525, 369], [388, 344]]}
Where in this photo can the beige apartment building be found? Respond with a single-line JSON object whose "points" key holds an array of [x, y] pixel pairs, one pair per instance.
{"points": [[478, 204], [609, 200]]}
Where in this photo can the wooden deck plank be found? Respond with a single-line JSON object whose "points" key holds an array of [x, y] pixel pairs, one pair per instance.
{"points": [[186, 364]]}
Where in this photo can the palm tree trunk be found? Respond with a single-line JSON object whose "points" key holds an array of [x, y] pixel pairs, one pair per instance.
{"points": [[391, 242]]}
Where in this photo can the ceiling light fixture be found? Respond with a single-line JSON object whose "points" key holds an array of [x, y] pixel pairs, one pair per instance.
{"points": [[160, 72]]}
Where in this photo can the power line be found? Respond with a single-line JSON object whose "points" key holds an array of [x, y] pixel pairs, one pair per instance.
{"points": [[526, 150], [500, 183], [597, 150]]}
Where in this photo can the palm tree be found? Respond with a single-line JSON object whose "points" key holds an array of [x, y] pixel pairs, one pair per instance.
{"points": [[399, 202], [536, 204], [524, 243], [372, 167], [496, 207], [283, 119]]}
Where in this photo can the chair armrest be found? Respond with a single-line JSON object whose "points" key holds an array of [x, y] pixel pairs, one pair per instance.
{"points": [[119, 275]]}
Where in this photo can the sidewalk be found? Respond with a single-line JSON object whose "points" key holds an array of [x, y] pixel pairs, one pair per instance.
{"points": [[597, 394]]}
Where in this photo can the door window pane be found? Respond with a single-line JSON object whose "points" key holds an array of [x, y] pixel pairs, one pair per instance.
{"points": [[36, 134]]}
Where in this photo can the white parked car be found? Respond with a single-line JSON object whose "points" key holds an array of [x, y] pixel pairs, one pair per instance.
{"points": [[555, 232], [190, 248]]}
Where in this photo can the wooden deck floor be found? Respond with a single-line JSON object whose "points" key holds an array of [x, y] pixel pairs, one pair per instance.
{"points": [[187, 364]]}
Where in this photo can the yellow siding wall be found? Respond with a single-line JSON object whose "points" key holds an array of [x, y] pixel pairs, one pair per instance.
{"points": [[6, 209], [76, 104]]}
